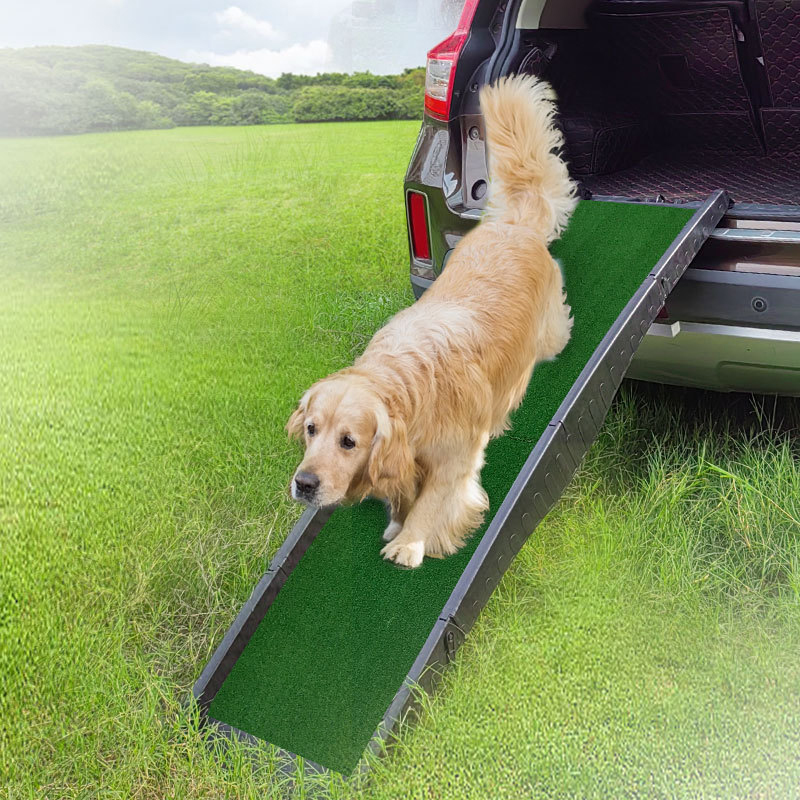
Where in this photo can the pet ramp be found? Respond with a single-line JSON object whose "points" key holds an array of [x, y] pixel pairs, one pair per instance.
{"points": [[329, 652]]}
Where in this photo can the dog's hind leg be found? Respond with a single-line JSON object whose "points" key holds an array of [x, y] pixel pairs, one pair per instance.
{"points": [[449, 506], [556, 327]]}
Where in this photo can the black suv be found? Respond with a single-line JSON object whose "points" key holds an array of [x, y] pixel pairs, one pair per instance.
{"points": [[661, 101]]}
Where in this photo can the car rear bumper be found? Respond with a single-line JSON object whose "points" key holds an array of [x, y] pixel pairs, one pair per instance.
{"points": [[726, 358], [722, 356], [419, 285]]}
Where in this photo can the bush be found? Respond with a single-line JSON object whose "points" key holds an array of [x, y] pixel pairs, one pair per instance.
{"points": [[411, 102], [256, 108], [341, 103], [204, 108]]}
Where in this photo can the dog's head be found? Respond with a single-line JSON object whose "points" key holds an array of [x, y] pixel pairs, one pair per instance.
{"points": [[353, 446]]}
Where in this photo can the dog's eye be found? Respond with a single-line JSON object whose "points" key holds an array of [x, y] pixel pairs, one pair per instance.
{"points": [[311, 428], [347, 443]]}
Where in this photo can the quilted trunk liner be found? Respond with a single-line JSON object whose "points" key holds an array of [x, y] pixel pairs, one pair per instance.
{"points": [[779, 24], [692, 176]]}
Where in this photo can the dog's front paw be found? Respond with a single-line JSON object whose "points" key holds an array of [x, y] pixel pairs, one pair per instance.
{"points": [[392, 529], [406, 554]]}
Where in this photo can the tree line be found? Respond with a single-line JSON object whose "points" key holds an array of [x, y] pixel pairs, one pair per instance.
{"points": [[59, 90]]}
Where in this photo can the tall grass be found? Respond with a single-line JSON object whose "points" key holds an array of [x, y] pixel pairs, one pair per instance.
{"points": [[645, 642]]}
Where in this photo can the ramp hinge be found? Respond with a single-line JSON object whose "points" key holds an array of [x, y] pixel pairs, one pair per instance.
{"points": [[453, 639]]}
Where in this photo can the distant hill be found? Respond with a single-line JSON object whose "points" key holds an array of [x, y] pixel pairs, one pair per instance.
{"points": [[55, 90]]}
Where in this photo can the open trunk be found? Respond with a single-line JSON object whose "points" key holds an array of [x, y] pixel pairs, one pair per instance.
{"points": [[671, 99]]}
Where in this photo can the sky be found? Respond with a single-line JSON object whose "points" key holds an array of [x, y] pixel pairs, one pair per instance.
{"points": [[266, 36]]}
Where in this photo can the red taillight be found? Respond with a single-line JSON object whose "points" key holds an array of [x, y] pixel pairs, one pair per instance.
{"points": [[441, 68], [418, 222]]}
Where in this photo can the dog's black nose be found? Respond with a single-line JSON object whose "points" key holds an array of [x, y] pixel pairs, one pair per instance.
{"points": [[307, 483]]}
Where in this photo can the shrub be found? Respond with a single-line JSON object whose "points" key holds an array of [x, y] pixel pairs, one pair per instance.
{"points": [[339, 103], [256, 108], [204, 108]]}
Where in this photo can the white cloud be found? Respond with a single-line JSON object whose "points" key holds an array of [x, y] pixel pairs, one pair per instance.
{"points": [[233, 17], [302, 59]]}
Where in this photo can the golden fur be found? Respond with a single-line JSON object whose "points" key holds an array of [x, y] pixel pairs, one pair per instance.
{"points": [[441, 377]]}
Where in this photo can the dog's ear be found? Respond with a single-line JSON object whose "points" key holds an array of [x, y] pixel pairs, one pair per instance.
{"points": [[296, 423], [391, 465]]}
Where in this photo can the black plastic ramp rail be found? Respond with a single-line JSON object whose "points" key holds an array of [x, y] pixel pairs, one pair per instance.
{"points": [[547, 472]]}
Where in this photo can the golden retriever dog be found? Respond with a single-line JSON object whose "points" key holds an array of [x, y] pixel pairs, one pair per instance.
{"points": [[410, 420]]}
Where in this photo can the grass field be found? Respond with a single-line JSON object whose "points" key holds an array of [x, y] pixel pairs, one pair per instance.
{"points": [[164, 299]]}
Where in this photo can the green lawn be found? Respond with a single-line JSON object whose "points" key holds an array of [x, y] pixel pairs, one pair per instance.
{"points": [[164, 299]]}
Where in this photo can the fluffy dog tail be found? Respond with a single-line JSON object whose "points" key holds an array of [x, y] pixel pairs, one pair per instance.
{"points": [[530, 183]]}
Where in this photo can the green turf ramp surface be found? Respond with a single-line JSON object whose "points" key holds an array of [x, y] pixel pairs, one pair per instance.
{"points": [[335, 646]]}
